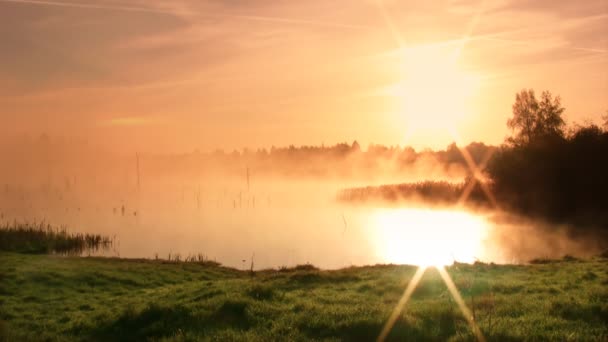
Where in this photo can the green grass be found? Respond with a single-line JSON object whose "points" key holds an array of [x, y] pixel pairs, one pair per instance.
{"points": [[50, 297]]}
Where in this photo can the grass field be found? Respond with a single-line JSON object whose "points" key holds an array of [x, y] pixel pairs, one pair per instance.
{"points": [[50, 297]]}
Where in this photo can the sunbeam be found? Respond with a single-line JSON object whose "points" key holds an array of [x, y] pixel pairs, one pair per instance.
{"points": [[407, 294], [388, 20], [448, 73], [472, 26], [429, 72], [477, 176], [476, 172], [411, 287], [461, 304]]}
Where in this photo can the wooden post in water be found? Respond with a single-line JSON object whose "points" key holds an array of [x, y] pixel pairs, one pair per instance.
{"points": [[138, 195], [198, 198]]}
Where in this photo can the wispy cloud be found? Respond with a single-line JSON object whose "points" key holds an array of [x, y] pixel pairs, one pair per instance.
{"points": [[182, 12], [93, 6], [131, 121], [198, 63]]}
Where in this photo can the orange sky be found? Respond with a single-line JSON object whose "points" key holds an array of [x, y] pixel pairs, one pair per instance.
{"points": [[161, 75]]}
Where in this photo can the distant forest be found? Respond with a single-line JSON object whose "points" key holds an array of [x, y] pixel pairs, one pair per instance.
{"points": [[56, 161]]}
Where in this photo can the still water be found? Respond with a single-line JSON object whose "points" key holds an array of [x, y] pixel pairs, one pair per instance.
{"points": [[285, 224]]}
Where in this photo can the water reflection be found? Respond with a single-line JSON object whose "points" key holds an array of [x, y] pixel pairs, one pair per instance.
{"points": [[429, 237], [285, 224]]}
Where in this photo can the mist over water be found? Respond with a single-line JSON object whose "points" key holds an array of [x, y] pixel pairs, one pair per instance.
{"points": [[283, 223], [275, 208]]}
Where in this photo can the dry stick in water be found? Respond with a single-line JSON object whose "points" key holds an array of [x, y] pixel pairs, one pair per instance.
{"points": [[248, 179], [198, 198], [251, 269], [137, 169]]}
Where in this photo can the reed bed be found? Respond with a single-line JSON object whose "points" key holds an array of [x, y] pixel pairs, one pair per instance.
{"points": [[431, 192], [41, 238], [197, 258]]}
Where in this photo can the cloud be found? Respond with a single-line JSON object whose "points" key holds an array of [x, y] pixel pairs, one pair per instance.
{"points": [[185, 11], [216, 62], [128, 121], [95, 6], [561, 8]]}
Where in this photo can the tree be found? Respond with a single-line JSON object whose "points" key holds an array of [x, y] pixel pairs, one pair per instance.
{"points": [[550, 121], [533, 119], [524, 115], [605, 118]]}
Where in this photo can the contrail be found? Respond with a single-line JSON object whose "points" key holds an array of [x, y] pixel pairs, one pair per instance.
{"points": [[192, 13]]}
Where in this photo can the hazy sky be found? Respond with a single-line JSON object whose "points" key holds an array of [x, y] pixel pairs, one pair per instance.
{"points": [[177, 75]]}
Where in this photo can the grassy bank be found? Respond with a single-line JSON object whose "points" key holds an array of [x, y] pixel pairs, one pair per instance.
{"points": [[46, 297]]}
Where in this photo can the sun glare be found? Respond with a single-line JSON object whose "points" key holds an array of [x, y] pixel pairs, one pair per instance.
{"points": [[434, 91], [428, 237]]}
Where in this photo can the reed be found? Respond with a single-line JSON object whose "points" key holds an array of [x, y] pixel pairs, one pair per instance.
{"points": [[197, 258], [431, 192], [41, 237]]}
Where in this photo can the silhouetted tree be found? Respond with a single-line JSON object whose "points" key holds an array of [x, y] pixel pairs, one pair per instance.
{"points": [[546, 173], [534, 119]]}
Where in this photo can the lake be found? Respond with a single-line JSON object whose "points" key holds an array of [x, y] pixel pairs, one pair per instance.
{"points": [[284, 223]]}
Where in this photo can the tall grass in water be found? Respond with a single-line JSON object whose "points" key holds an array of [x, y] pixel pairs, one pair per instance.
{"points": [[44, 238], [431, 192]]}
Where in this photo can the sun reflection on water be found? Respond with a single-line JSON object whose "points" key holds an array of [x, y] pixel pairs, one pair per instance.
{"points": [[429, 237]]}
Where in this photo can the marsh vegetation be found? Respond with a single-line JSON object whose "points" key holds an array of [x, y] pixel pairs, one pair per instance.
{"points": [[42, 238]]}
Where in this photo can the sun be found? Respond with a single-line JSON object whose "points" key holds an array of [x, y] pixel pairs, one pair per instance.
{"points": [[434, 92], [428, 237]]}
